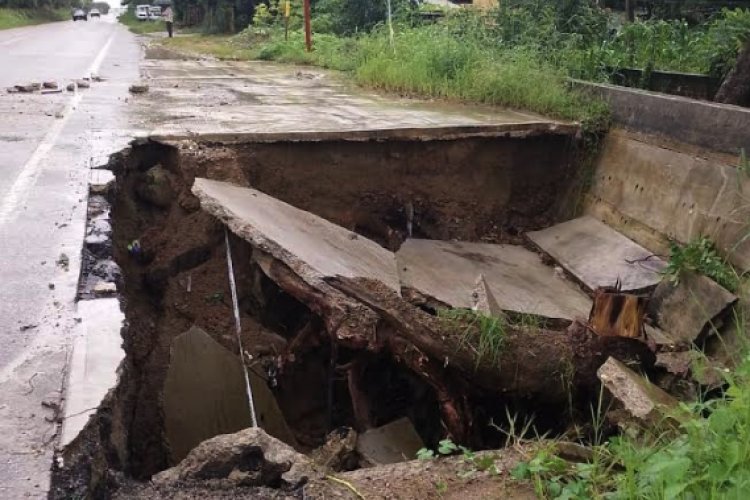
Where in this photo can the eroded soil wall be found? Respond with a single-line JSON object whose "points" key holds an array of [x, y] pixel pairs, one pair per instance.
{"points": [[471, 188]]}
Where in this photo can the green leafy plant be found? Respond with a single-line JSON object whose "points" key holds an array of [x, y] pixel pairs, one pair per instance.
{"points": [[700, 255]]}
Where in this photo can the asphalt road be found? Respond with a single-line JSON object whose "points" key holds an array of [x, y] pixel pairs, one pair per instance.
{"points": [[47, 145]]}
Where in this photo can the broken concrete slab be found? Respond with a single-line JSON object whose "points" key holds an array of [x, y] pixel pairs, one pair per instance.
{"points": [[447, 271], [394, 442], [310, 245], [96, 357], [246, 458], [598, 256], [205, 395], [483, 300], [685, 310], [641, 403]]}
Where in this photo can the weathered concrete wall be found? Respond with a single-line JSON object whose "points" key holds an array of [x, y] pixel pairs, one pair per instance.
{"points": [[653, 192], [717, 127], [669, 82]]}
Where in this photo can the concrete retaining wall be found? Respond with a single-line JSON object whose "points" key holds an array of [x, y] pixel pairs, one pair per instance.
{"points": [[717, 127], [653, 193]]}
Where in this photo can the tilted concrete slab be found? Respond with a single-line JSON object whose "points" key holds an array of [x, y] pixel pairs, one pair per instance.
{"points": [[447, 271], [310, 245], [598, 256], [205, 395], [97, 354], [686, 309]]}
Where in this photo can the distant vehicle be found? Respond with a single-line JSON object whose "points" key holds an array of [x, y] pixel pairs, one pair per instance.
{"points": [[154, 12], [141, 12], [94, 13], [80, 14]]}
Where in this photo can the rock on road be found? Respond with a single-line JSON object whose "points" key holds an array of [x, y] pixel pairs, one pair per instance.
{"points": [[47, 144]]}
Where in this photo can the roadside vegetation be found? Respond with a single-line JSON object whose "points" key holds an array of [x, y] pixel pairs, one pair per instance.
{"points": [[519, 55], [16, 18]]}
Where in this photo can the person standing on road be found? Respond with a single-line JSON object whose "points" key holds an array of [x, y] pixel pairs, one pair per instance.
{"points": [[168, 16]]}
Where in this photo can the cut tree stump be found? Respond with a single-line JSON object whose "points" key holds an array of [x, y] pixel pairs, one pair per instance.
{"points": [[617, 314]]}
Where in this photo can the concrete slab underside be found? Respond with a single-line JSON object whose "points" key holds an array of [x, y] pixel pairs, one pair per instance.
{"points": [[448, 270], [599, 256], [308, 244]]}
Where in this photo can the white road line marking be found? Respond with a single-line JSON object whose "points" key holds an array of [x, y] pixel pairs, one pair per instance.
{"points": [[26, 179]]}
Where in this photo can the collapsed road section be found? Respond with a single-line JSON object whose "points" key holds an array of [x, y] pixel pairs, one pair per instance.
{"points": [[383, 296]]}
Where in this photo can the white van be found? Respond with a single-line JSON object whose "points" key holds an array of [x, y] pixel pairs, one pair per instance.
{"points": [[141, 12]]}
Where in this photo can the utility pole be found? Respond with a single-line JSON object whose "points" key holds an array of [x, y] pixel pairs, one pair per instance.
{"points": [[308, 29], [630, 9]]}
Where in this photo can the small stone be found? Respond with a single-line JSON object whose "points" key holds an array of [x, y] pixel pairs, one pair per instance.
{"points": [[104, 287], [49, 84], [70, 87], [51, 286], [83, 84], [138, 88], [640, 404]]}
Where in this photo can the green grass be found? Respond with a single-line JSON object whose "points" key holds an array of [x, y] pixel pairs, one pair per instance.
{"points": [[15, 18], [485, 335], [141, 27], [701, 256]]}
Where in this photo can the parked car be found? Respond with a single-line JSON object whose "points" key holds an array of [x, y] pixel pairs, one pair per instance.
{"points": [[80, 14], [94, 13], [154, 12], [141, 12]]}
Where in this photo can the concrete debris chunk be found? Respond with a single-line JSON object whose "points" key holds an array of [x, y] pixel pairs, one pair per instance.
{"points": [[83, 84], [155, 187], [394, 442], [28, 88], [338, 453], [685, 310], [104, 288], [247, 458], [49, 84], [641, 403], [70, 87], [138, 88], [483, 300]]}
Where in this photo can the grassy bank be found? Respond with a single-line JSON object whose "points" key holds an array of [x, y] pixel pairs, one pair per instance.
{"points": [[140, 27], [16, 18]]}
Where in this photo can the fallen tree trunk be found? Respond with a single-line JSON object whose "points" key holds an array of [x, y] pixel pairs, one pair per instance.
{"points": [[544, 365], [736, 86]]}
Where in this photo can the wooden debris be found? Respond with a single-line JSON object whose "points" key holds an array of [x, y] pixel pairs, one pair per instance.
{"points": [[617, 314]]}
